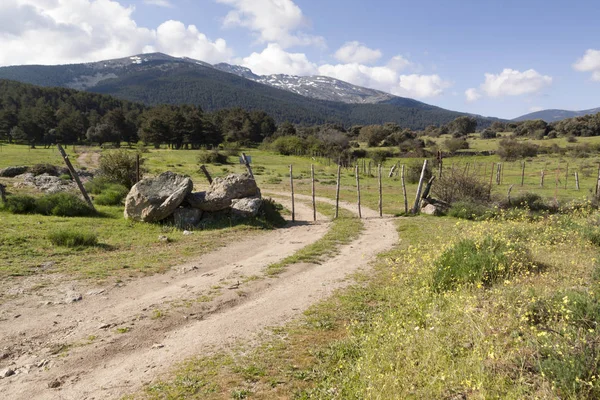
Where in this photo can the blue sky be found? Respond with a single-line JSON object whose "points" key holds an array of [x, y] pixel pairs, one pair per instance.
{"points": [[498, 58]]}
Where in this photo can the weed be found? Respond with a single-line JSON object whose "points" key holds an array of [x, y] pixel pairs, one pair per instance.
{"points": [[73, 238], [63, 205]]}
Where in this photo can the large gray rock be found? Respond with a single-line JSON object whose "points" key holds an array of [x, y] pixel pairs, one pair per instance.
{"points": [[246, 208], [223, 191], [154, 199], [187, 218], [11, 172]]}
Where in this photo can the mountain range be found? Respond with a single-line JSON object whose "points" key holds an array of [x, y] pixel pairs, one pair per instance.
{"points": [[157, 78], [556, 115]]}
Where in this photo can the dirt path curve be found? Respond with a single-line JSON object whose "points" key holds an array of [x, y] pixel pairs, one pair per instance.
{"points": [[89, 159], [116, 339]]}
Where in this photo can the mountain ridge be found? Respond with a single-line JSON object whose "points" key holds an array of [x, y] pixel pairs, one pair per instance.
{"points": [[554, 115]]}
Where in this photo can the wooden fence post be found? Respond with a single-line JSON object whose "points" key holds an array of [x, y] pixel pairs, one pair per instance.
{"points": [[75, 176], [492, 175], [314, 204], [404, 191], [337, 191], [206, 173], [380, 191], [508, 195], [542, 179], [567, 176], [358, 190], [292, 188], [137, 168], [247, 164], [577, 180], [522, 173], [3, 193], [419, 189]]}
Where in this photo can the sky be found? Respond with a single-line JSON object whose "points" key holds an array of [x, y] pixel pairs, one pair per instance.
{"points": [[494, 58]]}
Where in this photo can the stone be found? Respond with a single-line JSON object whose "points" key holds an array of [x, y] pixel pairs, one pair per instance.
{"points": [[11, 172], [155, 199], [246, 208], [54, 384], [187, 218], [73, 297], [431, 209], [7, 372], [223, 191]]}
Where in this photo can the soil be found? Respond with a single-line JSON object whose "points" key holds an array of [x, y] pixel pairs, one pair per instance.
{"points": [[71, 340]]}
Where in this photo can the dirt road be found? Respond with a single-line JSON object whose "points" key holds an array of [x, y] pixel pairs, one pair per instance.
{"points": [[114, 339]]}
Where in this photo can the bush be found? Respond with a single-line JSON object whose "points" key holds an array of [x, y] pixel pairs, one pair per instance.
{"points": [[469, 210], [71, 238], [63, 205], [20, 204], [456, 186], [106, 193], [413, 172], [211, 157], [455, 144], [510, 149], [485, 262], [379, 156], [288, 145], [118, 166], [270, 211], [531, 201], [488, 134]]}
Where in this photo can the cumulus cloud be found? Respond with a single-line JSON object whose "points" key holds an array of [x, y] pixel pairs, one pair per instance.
{"points": [[275, 60], [511, 82], [388, 79], [472, 95], [590, 62], [70, 31], [273, 21], [160, 3], [356, 52]]}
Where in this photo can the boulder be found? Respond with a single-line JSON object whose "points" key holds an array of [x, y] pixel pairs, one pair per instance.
{"points": [[246, 208], [187, 218], [434, 207], [11, 172], [431, 209], [154, 199], [223, 191]]}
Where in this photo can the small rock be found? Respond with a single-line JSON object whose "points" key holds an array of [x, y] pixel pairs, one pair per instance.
{"points": [[158, 346], [47, 264], [73, 297], [54, 384], [7, 372], [17, 316], [42, 363], [95, 292], [4, 355], [163, 239], [104, 326], [187, 233]]}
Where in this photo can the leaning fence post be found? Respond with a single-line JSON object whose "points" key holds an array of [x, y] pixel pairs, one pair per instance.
{"points": [[358, 190], [247, 164], [206, 173], [337, 191], [542, 179], [314, 204], [292, 188], [419, 188], [404, 191], [380, 191], [75, 176]]}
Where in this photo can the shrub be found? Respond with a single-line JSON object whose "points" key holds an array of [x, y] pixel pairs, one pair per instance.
{"points": [[39, 169], [63, 205], [469, 210], [288, 145], [413, 172], [20, 204], [72, 238], [485, 262], [270, 211], [510, 149], [456, 186], [379, 156], [455, 144], [118, 166], [488, 134], [211, 157], [531, 201], [106, 193]]}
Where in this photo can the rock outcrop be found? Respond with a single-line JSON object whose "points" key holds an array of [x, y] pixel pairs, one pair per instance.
{"points": [[223, 191], [154, 199]]}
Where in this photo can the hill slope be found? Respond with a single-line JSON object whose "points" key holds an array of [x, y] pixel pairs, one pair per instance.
{"points": [[556, 115], [158, 78]]}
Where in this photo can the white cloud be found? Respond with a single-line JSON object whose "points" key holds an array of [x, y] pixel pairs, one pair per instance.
{"points": [[472, 95], [274, 60], [70, 31], [160, 3], [274, 21], [421, 86], [174, 38], [511, 82], [535, 109], [356, 52], [590, 62]]}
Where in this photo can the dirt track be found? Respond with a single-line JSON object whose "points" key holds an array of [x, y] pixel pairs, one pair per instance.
{"points": [[117, 338]]}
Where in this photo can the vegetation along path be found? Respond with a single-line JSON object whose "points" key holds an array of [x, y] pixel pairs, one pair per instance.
{"points": [[115, 339]]}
